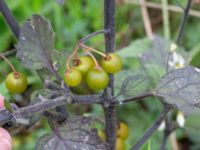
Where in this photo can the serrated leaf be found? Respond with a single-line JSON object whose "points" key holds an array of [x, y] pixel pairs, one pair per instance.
{"points": [[35, 44], [180, 88], [131, 83], [135, 48], [76, 134]]}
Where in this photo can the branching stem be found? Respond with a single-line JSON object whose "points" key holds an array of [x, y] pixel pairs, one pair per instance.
{"points": [[184, 22], [153, 128]]}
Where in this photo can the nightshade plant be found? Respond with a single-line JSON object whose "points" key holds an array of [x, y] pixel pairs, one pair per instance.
{"points": [[165, 74]]}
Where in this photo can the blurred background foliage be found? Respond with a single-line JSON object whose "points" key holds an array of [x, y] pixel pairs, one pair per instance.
{"points": [[74, 20]]}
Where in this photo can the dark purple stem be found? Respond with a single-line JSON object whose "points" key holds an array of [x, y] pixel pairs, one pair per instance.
{"points": [[110, 110], [10, 19]]}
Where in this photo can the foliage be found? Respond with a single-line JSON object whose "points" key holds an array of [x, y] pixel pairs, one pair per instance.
{"points": [[146, 66]]}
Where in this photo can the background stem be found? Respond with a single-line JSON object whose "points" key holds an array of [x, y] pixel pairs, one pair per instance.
{"points": [[152, 129], [9, 18], [165, 16], [184, 22], [146, 20]]}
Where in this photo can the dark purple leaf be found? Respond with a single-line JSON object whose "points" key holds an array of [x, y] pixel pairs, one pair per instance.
{"points": [[76, 134], [36, 43], [181, 88]]}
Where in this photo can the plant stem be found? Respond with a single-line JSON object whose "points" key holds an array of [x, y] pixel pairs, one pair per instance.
{"points": [[184, 22], [70, 58], [134, 98], [10, 19], [83, 40], [153, 128], [97, 66], [9, 63], [146, 20], [164, 141], [172, 8], [165, 16], [94, 50], [110, 111], [8, 53]]}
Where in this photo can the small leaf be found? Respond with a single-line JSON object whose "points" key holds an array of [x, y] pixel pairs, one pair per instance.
{"points": [[131, 83], [76, 134], [180, 88], [36, 43]]}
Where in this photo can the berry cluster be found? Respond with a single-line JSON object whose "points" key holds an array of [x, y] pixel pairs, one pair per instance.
{"points": [[15, 82], [122, 135], [88, 69]]}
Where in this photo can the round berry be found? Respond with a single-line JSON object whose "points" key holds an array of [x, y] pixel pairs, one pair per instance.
{"points": [[97, 79], [73, 78], [122, 131], [16, 82], [112, 63], [84, 64], [120, 145], [102, 135]]}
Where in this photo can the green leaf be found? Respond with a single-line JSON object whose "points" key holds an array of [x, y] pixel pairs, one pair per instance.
{"points": [[130, 83], [76, 134], [157, 54], [135, 48], [195, 54], [180, 88], [36, 43], [192, 127], [155, 59]]}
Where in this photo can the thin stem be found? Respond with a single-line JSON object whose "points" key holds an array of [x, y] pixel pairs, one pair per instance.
{"points": [[83, 40], [97, 66], [94, 50], [174, 141], [10, 19], [71, 56], [164, 141], [184, 22], [165, 15], [146, 20], [9, 63], [134, 98], [152, 129], [9, 53], [110, 110], [169, 7]]}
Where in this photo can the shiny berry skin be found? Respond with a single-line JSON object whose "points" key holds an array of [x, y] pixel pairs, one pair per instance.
{"points": [[97, 79], [16, 82], [120, 145], [85, 64], [112, 63], [102, 135], [73, 78], [123, 131]]}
